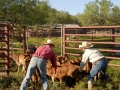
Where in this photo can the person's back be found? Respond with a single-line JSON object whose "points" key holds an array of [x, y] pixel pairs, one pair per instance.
{"points": [[93, 54], [44, 51], [38, 60], [96, 58]]}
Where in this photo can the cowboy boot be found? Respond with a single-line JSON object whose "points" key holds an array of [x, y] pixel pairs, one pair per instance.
{"points": [[90, 85]]}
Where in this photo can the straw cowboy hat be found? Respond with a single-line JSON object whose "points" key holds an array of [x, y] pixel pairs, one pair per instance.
{"points": [[49, 42], [86, 44]]}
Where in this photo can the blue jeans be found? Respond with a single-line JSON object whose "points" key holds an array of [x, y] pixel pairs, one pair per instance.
{"points": [[34, 63], [101, 66]]}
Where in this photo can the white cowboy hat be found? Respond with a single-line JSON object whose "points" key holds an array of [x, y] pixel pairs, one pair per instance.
{"points": [[49, 42], [86, 44]]}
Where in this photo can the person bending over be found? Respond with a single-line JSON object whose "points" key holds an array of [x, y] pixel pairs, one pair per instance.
{"points": [[95, 57], [38, 60]]}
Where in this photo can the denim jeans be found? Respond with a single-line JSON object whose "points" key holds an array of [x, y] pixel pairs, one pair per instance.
{"points": [[101, 66], [34, 63]]}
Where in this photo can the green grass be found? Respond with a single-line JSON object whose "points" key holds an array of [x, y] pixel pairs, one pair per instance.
{"points": [[13, 82]]}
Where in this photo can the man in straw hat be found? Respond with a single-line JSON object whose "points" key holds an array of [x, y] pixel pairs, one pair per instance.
{"points": [[41, 55], [95, 57]]}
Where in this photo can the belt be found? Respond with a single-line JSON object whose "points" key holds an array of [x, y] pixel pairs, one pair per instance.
{"points": [[98, 60], [40, 57]]}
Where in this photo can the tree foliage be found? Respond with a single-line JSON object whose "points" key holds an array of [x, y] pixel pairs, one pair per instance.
{"points": [[36, 12], [99, 13], [32, 12]]}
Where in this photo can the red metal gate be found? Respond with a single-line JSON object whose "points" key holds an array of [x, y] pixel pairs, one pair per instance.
{"points": [[4, 49], [105, 38], [18, 38], [5, 45]]}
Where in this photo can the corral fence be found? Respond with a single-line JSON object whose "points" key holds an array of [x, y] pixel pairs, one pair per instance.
{"points": [[14, 39], [44, 31], [10, 37], [105, 38], [17, 39], [4, 49]]}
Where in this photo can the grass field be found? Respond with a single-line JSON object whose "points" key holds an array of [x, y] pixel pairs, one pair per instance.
{"points": [[13, 82]]}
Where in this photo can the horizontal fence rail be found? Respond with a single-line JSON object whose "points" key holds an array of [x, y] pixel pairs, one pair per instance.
{"points": [[105, 38]]}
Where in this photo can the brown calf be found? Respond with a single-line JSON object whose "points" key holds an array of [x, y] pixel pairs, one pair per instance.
{"points": [[63, 71], [20, 59]]}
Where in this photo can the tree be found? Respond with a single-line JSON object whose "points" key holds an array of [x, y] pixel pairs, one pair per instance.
{"points": [[98, 13], [115, 16], [16, 11], [33, 12]]}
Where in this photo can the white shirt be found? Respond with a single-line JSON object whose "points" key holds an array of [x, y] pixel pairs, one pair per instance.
{"points": [[91, 54]]}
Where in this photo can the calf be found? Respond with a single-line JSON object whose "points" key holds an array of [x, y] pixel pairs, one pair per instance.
{"points": [[19, 59], [62, 59], [63, 71]]}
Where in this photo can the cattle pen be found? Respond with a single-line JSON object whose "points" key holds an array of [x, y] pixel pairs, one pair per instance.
{"points": [[67, 39], [105, 38]]}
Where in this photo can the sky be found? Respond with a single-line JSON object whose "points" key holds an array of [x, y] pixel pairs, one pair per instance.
{"points": [[74, 6]]}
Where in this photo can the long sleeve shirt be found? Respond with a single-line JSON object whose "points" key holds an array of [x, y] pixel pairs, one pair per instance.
{"points": [[47, 53], [91, 54]]}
